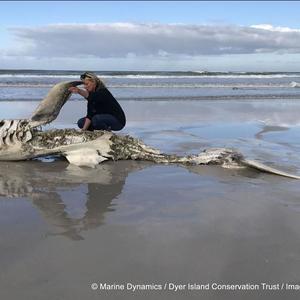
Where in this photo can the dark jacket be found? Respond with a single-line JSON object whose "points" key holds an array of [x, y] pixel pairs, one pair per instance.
{"points": [[103, 102]]}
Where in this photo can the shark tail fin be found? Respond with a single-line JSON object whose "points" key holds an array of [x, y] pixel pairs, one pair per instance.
{"points": [[262, 167]]}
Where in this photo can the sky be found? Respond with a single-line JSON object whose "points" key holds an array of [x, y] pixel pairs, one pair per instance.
{"points": [[253, 36]]}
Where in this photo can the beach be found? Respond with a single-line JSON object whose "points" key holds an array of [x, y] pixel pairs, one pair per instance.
{"points": [[135, 229], [143, 225]]}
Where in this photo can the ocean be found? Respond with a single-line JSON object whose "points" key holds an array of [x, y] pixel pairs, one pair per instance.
{"points": [[33, 85]]}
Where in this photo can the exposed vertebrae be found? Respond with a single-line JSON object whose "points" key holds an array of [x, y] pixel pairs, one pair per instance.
{"points": [[14, 131]]}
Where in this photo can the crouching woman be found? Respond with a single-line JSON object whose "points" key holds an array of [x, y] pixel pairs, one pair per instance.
{"points": [[103, 110]]}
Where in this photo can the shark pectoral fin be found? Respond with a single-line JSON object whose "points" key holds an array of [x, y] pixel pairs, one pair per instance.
{"points": [[49, 108], [84, 157], [262, 167]]}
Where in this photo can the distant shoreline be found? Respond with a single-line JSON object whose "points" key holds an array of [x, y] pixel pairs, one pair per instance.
{"points": [[137, 72]]}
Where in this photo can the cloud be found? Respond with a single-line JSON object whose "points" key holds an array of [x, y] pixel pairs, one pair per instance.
{"points": [[159, 40], [272, 28]]}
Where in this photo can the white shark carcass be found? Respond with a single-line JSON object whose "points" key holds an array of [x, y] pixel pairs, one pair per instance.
{"points": [[23, 140]]}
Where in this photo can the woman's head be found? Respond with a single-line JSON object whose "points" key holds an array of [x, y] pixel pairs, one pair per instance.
{"points": [[91, 82]]}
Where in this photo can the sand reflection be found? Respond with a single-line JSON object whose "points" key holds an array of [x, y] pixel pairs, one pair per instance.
{"points": [[267, 128], [57, 189]]}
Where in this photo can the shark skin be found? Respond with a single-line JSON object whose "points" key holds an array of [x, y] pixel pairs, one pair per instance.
{"points": [[24, 140]]}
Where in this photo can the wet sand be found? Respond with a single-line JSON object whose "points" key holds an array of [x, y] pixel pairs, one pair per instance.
{"points": [[64, 228]]}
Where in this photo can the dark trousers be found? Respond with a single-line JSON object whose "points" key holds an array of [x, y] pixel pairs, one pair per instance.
{"points": [[102, 122]]}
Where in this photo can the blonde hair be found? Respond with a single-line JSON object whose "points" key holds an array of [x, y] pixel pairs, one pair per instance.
{"points": [[93, 77]]}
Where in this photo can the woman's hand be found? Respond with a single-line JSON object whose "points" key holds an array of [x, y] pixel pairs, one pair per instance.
{"points": [[74, 89]]}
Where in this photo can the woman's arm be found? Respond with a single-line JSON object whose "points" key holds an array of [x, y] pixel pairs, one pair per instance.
{"points": [[76, 90]]}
